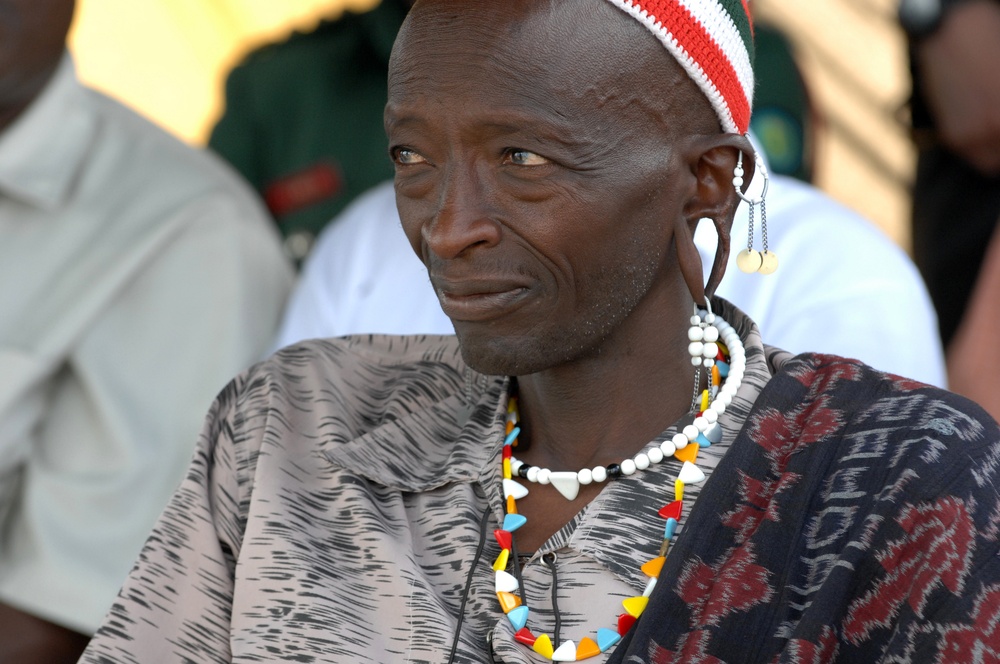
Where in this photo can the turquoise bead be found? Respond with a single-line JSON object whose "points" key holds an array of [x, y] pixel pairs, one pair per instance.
{"points": [[518, 617], [512, 436], [607, 638], [702, 440], [670, 529], [723, 369], [512, 522]]}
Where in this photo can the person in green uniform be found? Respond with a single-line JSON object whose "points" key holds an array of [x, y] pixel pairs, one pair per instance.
{"points": [[784, 119], [303, 119]]}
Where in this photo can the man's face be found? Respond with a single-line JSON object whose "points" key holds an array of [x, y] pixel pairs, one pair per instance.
{"points": [[533, 176], [32, 39]]}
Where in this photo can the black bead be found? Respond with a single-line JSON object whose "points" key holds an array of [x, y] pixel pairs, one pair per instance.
{"points": [[614, 471], [523, 471]]}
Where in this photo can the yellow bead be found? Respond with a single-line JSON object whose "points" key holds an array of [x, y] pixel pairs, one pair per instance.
{"points": [[704, 400], [543, 646], [634, 606], [501, 561], [508, 601], [506, 469], [678, 490]]}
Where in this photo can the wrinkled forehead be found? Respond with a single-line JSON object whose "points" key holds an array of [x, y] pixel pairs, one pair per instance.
{"points": [[652, 50], [554, 56], [522, 37]]}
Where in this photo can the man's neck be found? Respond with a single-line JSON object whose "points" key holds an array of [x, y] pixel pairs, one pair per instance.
{"points": [[602, 408]]}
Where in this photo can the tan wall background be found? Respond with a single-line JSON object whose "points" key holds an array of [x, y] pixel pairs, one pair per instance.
{"points": [[854, 59], [169, 58]]}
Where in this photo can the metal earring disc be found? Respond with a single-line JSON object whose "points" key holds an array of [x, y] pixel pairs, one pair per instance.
{"points": [[768, 262], [750, 261]]}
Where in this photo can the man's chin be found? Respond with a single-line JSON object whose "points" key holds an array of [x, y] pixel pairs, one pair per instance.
{"points": [[522, 354], [494, 356]]}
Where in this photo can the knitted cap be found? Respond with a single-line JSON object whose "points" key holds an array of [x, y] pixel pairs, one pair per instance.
{"points": [[713, 42]]}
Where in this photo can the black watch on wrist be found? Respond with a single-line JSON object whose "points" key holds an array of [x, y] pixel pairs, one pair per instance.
{"points": [[920, 18]]}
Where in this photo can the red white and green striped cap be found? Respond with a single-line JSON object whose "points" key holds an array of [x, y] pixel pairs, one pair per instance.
{"points": [[713, 42]]}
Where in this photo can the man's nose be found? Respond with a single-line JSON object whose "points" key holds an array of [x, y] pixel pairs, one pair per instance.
{"points": [[462, 220]]}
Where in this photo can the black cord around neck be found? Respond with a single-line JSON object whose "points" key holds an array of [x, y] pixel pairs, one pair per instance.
{"points": [[550, 561], [468, 583]]}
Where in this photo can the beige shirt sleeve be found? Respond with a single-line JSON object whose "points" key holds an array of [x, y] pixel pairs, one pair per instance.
{"points": [[122, 413], [137, 276]]}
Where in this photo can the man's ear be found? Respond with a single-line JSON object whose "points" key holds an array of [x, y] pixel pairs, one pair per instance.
{"points": [[712, 160]]}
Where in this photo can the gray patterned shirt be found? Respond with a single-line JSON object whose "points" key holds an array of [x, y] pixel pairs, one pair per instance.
{"points": [[335, 505]]}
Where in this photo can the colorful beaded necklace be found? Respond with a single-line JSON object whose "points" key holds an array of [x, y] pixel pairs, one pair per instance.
{"points": [[684, 446]]}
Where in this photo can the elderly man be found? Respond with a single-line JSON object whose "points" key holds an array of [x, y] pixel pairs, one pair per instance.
{"points": [[605, 462]]}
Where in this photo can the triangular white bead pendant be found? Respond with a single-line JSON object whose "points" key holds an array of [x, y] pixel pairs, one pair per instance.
{"points": [[513, 489], [505, 582], [565, 653], [566, 483], [690, 473]]}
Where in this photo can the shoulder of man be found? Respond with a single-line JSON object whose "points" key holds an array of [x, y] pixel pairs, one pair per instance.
{"points": [[368, 366], [906, 422], [337, 389], [133, 152]]}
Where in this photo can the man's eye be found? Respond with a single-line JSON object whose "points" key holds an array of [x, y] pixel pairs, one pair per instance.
{"points": [[525, 158], [407, 157]]}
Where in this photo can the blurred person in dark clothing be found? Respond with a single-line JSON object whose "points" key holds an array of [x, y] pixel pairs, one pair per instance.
{"points": [[954, 51]]}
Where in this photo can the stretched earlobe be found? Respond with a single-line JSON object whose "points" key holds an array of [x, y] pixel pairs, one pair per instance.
{"points": [[713, 161]]}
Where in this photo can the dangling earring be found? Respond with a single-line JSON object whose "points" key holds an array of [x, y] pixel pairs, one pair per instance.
{"points": [[750, 260], [703, 336]]}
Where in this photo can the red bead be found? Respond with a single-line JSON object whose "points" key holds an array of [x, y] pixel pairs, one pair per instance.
{"points": [[625, 622], [507, 452], [504, 538], [524, 636], [672, 511]]}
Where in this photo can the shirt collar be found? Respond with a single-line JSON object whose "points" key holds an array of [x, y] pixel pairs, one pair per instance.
{"points": [[42, 151], [460, 436]]}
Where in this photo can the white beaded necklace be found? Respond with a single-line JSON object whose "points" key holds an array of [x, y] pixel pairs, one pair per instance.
{"points": [[706, 424]]}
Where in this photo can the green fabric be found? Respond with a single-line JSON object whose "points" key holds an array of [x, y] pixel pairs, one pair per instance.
{"points": [[316, 97], [737, 11], [782, 113]]}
